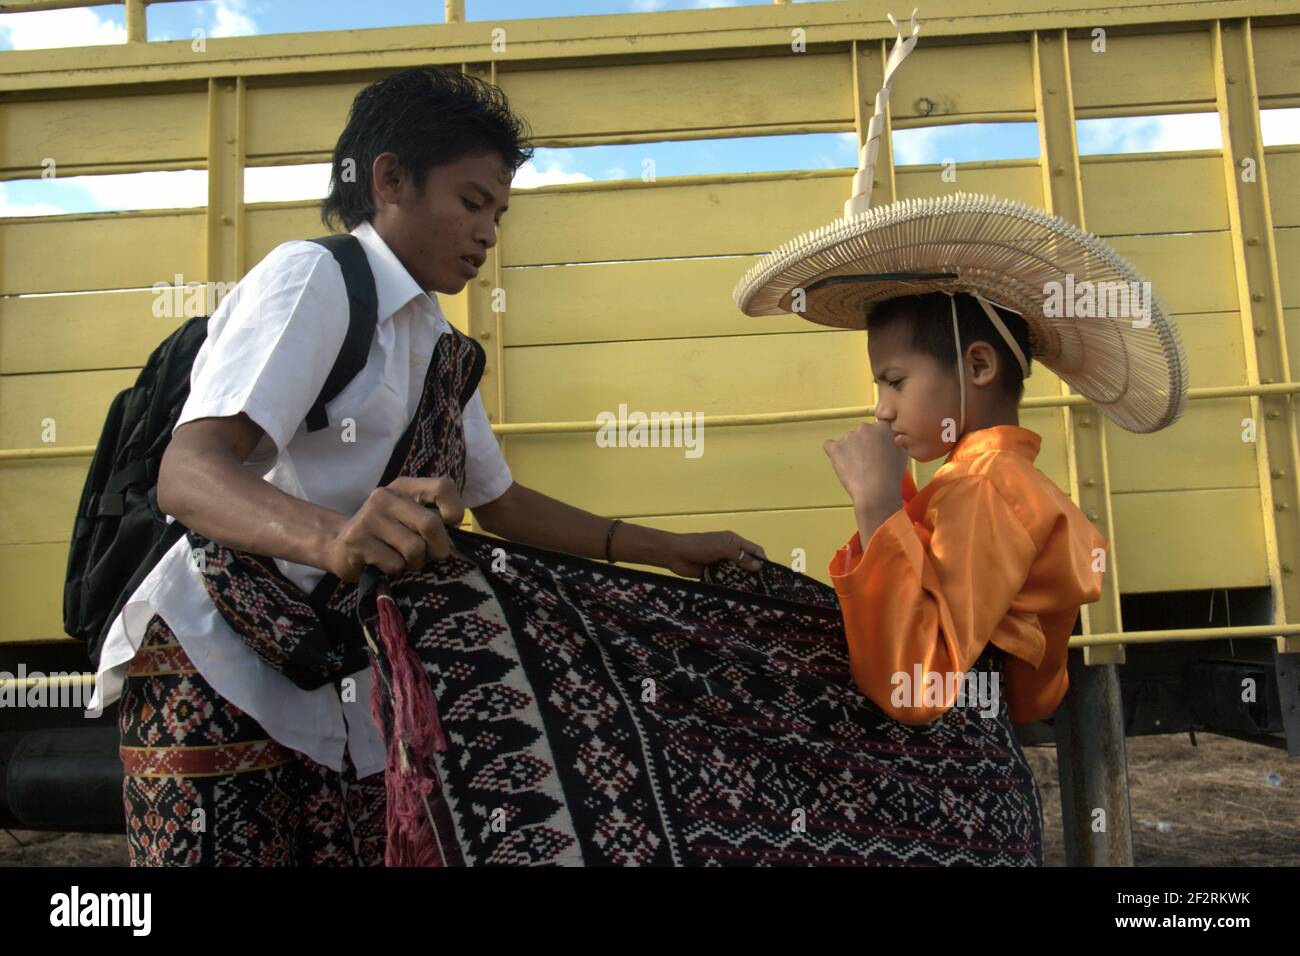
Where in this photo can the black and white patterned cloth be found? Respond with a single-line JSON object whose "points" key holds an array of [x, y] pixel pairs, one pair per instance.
{"points": [[599, 715]]}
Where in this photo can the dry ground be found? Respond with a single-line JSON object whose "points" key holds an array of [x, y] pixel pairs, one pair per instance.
{"points": [[1209, 805]]}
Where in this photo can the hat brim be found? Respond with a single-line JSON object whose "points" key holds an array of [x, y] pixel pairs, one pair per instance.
{"points": [[1106, 334]]}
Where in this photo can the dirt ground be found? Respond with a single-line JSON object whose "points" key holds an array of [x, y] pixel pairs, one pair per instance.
{"points": [[1220, 803]]}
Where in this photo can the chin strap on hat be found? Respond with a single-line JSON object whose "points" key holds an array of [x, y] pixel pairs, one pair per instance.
{"points": [[1002, 330]]}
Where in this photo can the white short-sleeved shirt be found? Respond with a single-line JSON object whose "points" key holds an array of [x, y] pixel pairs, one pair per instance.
{"points": [[270, 346]]}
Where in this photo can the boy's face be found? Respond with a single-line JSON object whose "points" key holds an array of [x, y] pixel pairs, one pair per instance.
{"points": [[917, 393], [442, 234]]}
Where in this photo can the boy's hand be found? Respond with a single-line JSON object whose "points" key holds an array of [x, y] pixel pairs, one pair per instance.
{"points": [[869, 465], [397, 529], [688, 554]]}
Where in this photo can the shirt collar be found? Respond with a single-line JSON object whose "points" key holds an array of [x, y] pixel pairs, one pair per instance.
{"points": [[394, 286], [1012, 438]]}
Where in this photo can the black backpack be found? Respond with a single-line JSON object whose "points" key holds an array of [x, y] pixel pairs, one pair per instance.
{"points": [[119, 534]]}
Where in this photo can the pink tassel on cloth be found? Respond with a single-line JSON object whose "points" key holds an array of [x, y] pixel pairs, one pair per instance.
{"points": [[410, 777]]}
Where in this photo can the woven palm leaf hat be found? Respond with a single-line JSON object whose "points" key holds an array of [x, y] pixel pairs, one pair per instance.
{"points": [[1120, 350]]}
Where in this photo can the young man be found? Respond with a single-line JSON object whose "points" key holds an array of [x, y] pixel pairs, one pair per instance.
{"points": [[228, 761]]}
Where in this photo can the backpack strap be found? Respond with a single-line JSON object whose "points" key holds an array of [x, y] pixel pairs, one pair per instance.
{"points": [[111, 502], [363, 316]]}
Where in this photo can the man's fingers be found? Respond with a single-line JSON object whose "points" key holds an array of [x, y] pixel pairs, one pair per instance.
{"points": [[426, 505], [439, 492], [750, 560], [375, 550], [451, 508], [427, 524], [393, 530], [397, 533]]}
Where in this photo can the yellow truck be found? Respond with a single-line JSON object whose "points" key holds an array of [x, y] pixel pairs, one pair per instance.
{"points": [[619, 292]]}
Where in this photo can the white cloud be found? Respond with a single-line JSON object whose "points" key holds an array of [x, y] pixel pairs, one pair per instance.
{"points": [[647, 6], [155, 190], [282, 183], [311, 181], [231, 19], [1280, 127], [179, 189], [530, 176], [173, 189], [918, 145], [185, 189], [46, 29], [1150, 134]]}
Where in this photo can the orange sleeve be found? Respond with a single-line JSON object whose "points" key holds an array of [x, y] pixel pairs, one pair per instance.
{"points": [[936, 603], [1067, 566], [1033, 693]]}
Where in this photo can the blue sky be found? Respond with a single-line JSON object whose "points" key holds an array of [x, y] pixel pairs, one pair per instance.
{"points": [[169, 21]]}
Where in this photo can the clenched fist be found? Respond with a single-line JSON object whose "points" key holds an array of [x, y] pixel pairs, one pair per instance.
{"points": [[869, 464], [400, 527]]}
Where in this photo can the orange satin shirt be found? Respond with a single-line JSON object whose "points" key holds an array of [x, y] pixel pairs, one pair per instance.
{"points": [[990, 551]]}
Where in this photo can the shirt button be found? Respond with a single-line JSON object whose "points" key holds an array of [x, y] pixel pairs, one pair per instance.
{"points": [[417, 359]]}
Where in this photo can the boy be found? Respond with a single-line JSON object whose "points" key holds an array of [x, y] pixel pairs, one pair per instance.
{"points": [[989, 563], [990, 552], [227, 761]]}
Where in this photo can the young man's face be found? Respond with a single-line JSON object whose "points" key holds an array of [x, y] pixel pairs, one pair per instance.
{"points": [[919, 397], [442, 234]]}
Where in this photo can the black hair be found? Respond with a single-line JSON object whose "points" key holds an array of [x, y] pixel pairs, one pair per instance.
{"points": [[929, 316], [426, 117]]}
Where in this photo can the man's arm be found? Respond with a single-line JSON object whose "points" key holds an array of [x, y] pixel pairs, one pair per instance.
{"points": [[530, 517], [203, 484]]}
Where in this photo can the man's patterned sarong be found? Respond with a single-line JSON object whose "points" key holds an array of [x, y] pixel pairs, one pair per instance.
{"points": [[203, 784]]}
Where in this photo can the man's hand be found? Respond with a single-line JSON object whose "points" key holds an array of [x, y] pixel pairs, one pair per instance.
{"points": [[869, 465], [688, 554], [400, 527]]}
